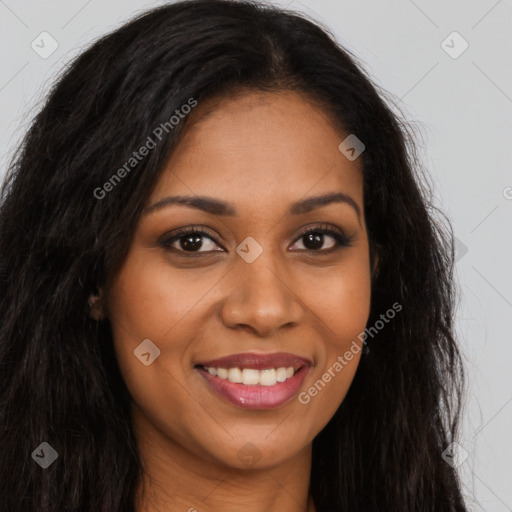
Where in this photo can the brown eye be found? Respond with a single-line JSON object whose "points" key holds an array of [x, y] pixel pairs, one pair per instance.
{"points": [[190, 241], [314, 239]]}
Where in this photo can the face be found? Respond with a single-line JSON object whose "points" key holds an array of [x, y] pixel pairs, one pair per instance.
{"points": [[258, 274]]}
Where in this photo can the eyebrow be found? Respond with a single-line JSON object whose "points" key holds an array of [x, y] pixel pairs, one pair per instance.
{"points": [[216, 207]]}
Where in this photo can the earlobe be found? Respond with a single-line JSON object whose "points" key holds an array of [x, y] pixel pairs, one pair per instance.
{"points": [[96, 306]]}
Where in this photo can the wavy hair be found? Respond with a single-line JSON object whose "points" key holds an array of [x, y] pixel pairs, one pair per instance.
{"points": [[60, 382]]}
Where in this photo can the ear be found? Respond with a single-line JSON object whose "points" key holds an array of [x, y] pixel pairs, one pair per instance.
{"points": [[97, 306]]}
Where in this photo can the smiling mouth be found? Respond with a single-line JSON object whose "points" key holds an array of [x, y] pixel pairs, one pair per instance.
{"points": [[252, 376], [255, 381]]}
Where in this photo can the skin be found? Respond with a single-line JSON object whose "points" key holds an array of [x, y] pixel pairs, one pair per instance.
{"points": [[261, 152]]}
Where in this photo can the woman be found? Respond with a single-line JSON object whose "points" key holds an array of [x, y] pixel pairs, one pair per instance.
{"points": [[223, 287]]}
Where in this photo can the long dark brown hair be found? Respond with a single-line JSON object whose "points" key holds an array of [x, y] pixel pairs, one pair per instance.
{"points": [[60, 383]]}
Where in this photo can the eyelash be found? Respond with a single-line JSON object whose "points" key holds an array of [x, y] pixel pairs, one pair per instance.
{"points": [[341, 239]]}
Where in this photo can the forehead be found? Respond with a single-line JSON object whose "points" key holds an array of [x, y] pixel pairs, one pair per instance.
{"points": [[272, 147]]}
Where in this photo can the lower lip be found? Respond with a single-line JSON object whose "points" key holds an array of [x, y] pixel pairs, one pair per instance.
{"points": [[256, 397]]}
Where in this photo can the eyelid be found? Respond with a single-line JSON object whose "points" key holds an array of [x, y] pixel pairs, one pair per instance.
{"points": [[169, 238], [321, 227], [342, 240]]}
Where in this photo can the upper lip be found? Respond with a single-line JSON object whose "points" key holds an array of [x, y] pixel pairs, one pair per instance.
{"points": [[258, 361]]}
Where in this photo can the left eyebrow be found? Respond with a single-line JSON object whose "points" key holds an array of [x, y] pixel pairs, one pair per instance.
{"points": [[312, 203], [216, 207]]}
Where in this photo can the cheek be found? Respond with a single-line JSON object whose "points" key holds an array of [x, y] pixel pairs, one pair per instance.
{"points": [[148, 299], [342, 304], [342, 299], [144, 305]]}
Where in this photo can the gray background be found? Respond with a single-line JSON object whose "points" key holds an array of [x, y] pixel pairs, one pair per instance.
{"points": [[462, 109]]}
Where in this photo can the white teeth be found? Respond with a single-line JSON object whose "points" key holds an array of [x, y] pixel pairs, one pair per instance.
{"points": [[222, 373], [250, 377], [253, 377], [281, 374], [235, 375], [268, 377]]}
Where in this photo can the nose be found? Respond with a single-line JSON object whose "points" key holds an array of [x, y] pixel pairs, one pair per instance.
{"points": [[261, 298]]}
